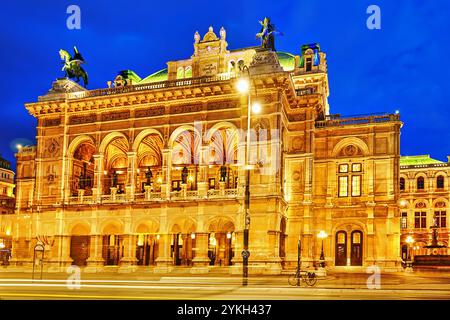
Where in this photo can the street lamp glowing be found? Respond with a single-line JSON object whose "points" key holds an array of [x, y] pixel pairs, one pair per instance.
{"points": [[19, 146], [403, 203], [256, 108], [322, 234], [409, 240], [243, 85]]}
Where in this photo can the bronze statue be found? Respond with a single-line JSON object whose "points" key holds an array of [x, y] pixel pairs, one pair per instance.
{"points": [[267, 34], [72, 66]]}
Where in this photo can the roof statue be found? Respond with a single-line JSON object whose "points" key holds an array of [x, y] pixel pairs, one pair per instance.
{"points": [[267, 34], [72, 65]]}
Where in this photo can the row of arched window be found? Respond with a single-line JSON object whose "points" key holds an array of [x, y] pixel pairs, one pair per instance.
{"points": [[420, 183]]}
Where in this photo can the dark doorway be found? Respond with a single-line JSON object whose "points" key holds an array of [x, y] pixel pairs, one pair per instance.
{"points": [[79, 250], [146, 250], [341, 248], [111, 250], [176, 249], [357, 250]]}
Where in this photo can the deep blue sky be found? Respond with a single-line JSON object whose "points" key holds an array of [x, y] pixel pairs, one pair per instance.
{"points": [[403, 66]]}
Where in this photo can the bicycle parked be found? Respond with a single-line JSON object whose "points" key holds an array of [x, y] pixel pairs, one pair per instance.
{"points": [[310, 278]]}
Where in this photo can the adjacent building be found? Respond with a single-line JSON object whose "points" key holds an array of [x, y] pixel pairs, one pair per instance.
{"points": [[150, 172], [425, 197], [7, 203]]}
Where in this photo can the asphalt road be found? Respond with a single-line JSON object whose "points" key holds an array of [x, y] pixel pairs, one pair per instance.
{"points": [[221, 287]]}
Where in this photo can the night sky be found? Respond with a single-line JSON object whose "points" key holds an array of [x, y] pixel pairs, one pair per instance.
{"points": [[404, 66]]}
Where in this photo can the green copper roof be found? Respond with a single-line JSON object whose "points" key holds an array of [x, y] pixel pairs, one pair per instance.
{"points": [[160, 75], [287, 60], [418, 160]]}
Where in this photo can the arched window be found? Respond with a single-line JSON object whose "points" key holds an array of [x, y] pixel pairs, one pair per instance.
{"points": [[402, 184], [440, 182], [420, 183]]}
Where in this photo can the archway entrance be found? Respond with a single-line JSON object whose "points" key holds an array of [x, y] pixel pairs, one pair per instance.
{"points": [[183, 242], [147, 243], [112, 249], [346, 243], [79, 250], [221, 242], [112, 245], [79, 244], [146, 249]]}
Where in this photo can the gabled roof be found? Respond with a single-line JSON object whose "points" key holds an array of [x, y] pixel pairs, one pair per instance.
{"points": [[418, 160]]}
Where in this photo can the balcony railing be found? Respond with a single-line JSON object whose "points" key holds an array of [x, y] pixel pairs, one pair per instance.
{"points": [[150, 86], [336, 120], [152, 196]]}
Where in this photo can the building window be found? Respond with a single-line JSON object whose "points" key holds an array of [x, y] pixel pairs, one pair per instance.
{"points": [[420, 183], [308, 64], [343, 186], [402, 184], [440, 182], [440, 219], [420, 220], [349, 181], [356, 167], [356, 186], [404, 220], [343, 168]]}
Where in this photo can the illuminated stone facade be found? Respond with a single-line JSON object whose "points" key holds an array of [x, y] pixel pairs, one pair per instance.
{"points": [[7, 203], [424, 202], [149, 173]]}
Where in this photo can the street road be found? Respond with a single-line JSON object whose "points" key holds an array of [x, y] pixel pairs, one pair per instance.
{"points": [[222, 287]]}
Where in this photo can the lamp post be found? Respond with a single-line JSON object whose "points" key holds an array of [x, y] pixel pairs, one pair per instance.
{"points": [[409, 240], [243, 86], [322, 235]]}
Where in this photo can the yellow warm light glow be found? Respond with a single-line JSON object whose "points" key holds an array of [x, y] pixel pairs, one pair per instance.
{"points": [[159, 180], [243, 85], [157, 237], [256, 108], [228, 235], [322, 234], [191, 178], [19, 146], [409, 239], [403, 203], [192, 235], [2, 245]]}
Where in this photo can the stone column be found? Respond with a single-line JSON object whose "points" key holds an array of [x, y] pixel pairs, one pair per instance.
{"points": [[201, 260], [128, 261], [61, 253], [222, 188], [202, 179], [183, 190], [97, 190], [164, 262], [131, 174], [166, 172], [95, 261]]}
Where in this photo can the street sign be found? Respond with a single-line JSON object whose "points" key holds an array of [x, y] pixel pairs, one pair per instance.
{"points": [[245, 254]]}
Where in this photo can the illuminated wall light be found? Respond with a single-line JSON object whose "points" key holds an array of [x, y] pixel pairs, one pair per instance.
{"points": [[157, 237], [140, 240], [192, 235], [228, 235]]}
